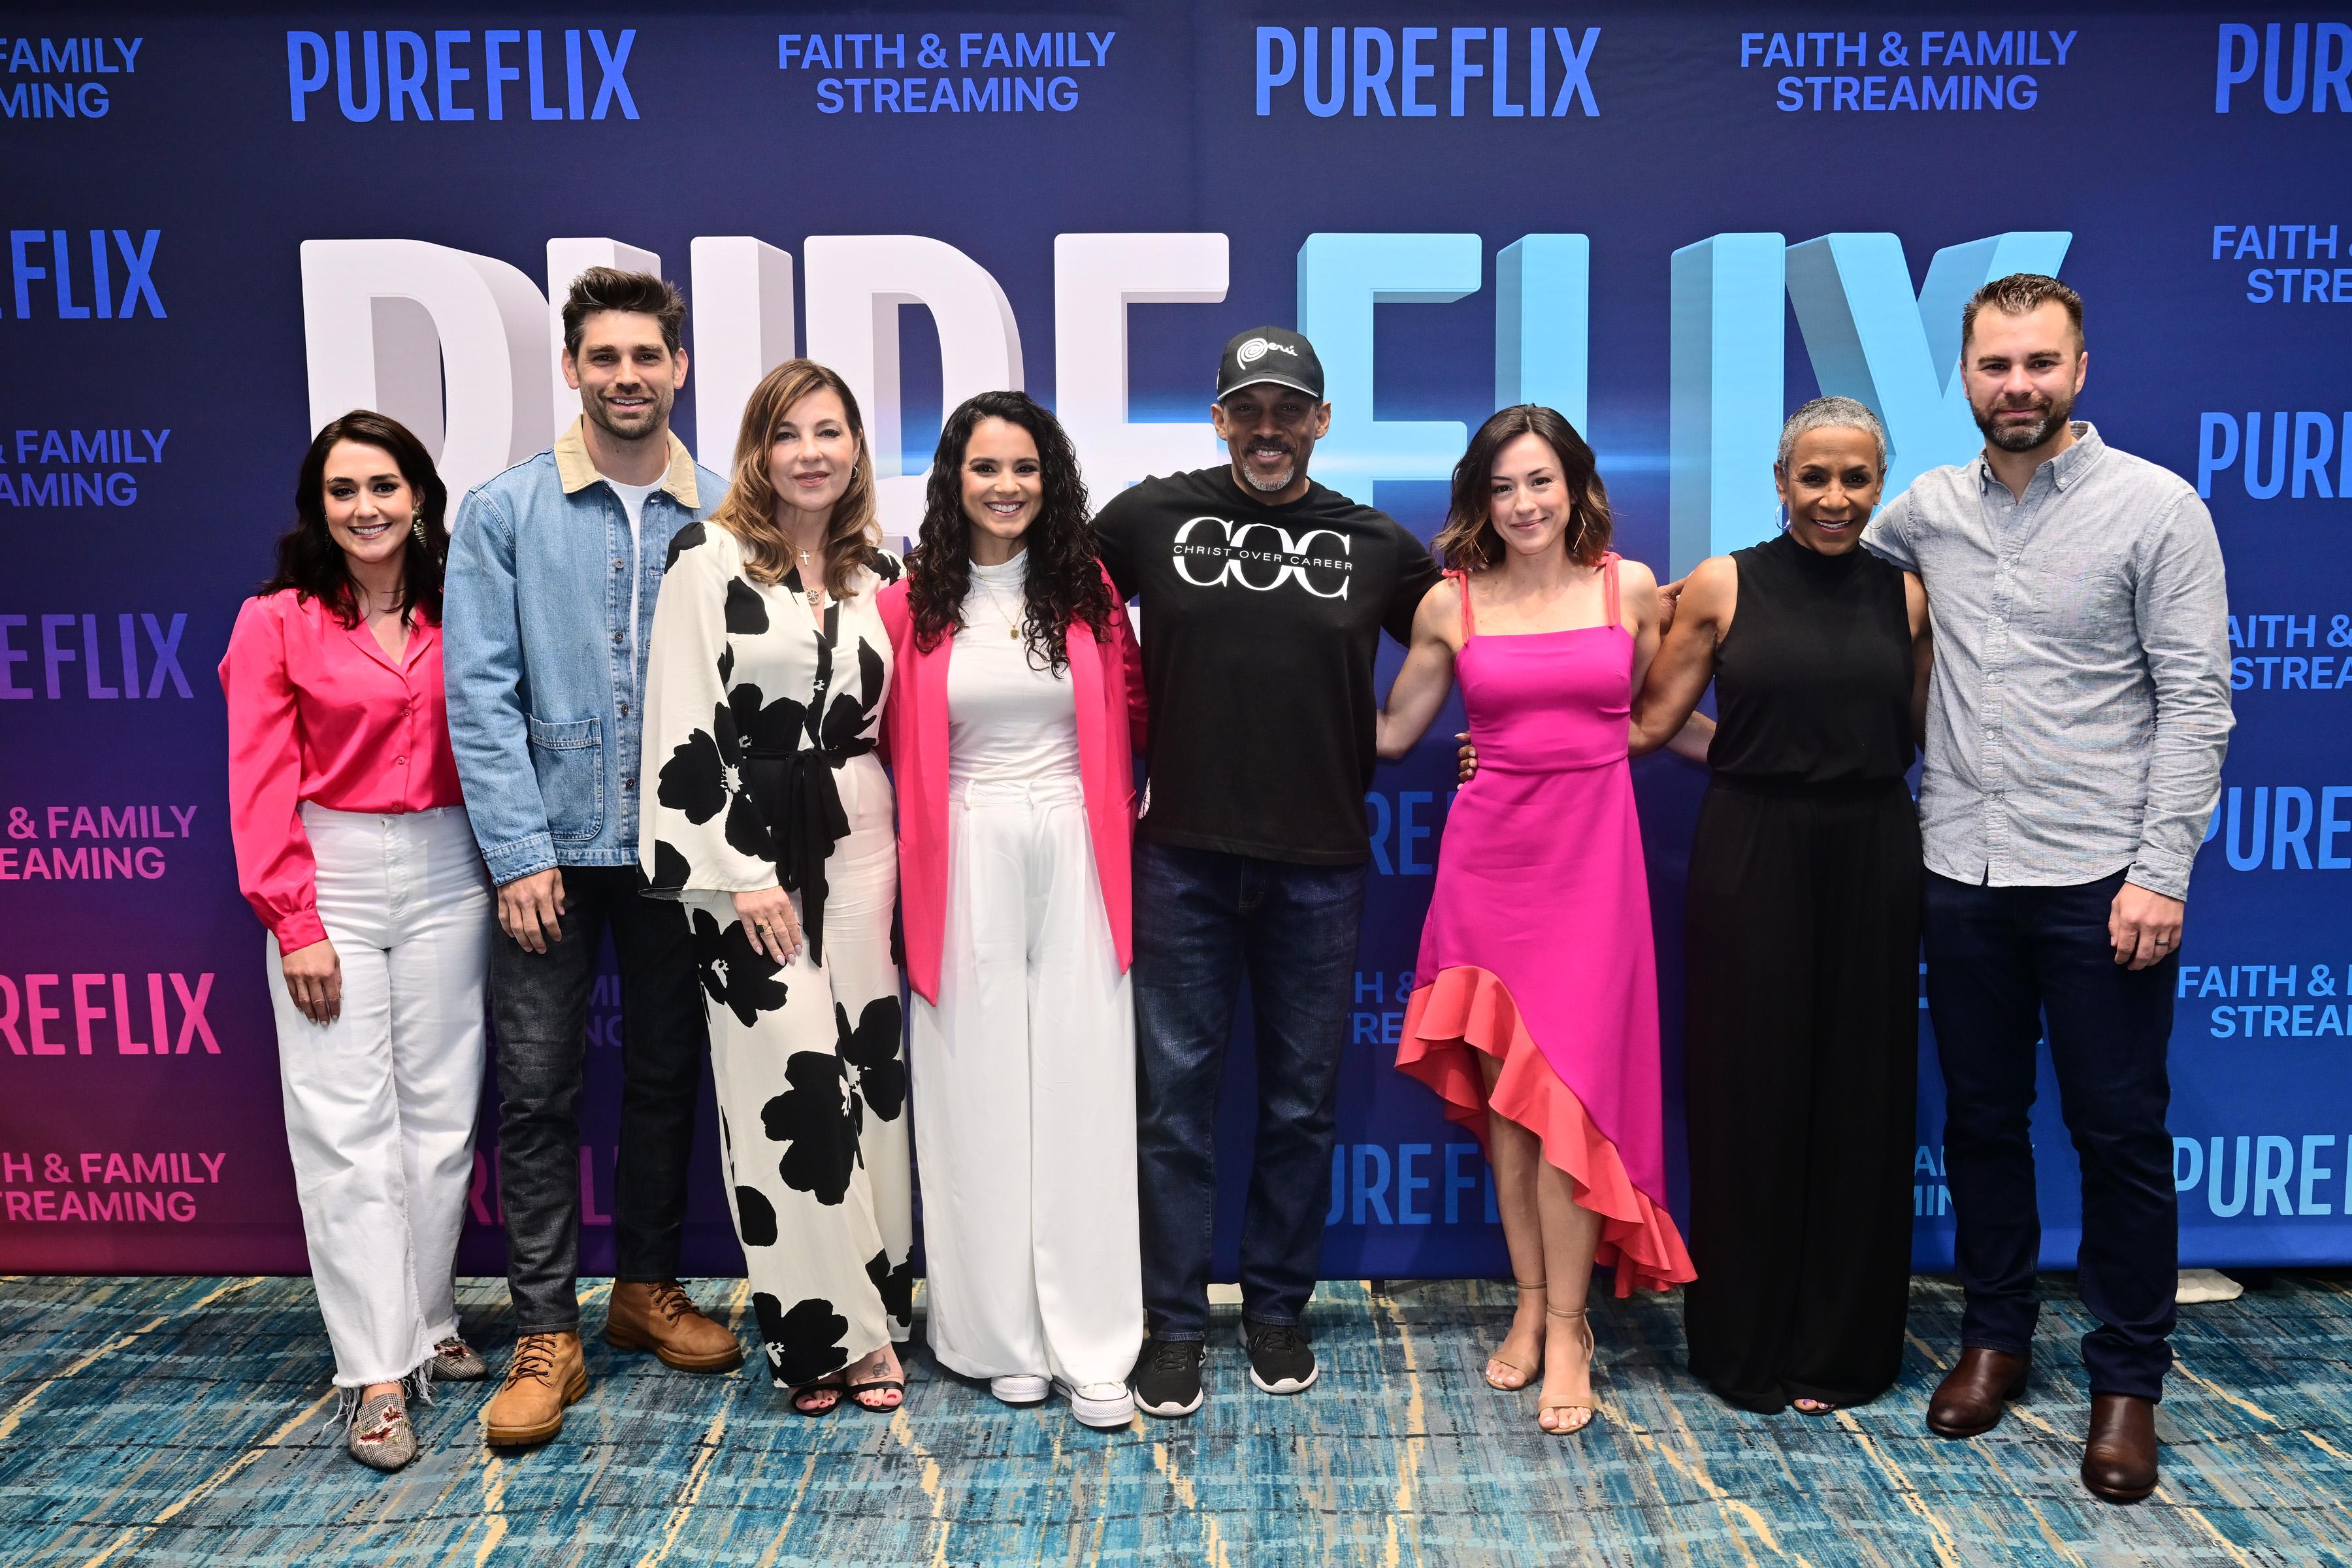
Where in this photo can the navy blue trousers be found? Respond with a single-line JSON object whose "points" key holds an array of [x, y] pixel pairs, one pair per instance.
{"points": [[1999, 961]]}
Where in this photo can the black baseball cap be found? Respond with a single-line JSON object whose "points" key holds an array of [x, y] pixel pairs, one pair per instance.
{"points": [[1270, 353]]}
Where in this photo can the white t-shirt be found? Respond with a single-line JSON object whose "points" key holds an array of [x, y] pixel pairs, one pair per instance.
{"points": [[633, 501], [1007, 718]]}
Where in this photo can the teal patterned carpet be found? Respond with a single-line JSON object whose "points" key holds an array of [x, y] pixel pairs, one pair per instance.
{"points": [[181, 1421]]}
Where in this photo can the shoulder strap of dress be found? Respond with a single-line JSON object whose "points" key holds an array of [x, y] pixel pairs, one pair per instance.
{"points": [[1469, 620], [1612, 611]]}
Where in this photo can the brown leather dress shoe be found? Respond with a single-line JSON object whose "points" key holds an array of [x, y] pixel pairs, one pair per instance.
{"points": [[546, 1373], [663, 1319], [1969, 1400], [2119, 1460]]}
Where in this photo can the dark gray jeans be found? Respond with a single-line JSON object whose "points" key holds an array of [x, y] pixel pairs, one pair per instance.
{"points": [[539, 1007]]}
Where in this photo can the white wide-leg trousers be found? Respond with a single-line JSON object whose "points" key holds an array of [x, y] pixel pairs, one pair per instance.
{"points": [[380, 1103], [1024, 1101]]}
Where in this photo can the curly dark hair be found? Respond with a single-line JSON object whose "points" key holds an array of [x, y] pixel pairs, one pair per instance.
{"points": [[311, 562], [1063, 581]]}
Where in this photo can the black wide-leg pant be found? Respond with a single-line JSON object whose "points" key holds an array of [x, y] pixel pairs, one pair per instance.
{"points": [[1802, 1066]]}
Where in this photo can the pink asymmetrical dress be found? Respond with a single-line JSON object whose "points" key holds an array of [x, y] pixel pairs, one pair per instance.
{"points": [[1537, 950]]}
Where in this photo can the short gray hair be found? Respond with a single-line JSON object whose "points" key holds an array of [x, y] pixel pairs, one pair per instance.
{"points": [[1832, 414]]}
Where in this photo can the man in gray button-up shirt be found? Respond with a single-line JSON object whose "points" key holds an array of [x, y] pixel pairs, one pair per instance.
{"points": [[2081, 702], [2076, 721]]}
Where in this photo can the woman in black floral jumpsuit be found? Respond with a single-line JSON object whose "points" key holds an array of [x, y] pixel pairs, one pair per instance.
{"points": [[762, 708]]}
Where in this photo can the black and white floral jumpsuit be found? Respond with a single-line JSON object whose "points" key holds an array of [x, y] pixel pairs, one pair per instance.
{"points": [[762, 716]]}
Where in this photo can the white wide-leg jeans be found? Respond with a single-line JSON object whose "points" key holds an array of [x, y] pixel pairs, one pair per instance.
{"points": [[380, 1103], [1025, 1100]]}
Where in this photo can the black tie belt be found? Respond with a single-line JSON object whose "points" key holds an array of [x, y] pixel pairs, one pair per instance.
{"points": [[800, 800]]}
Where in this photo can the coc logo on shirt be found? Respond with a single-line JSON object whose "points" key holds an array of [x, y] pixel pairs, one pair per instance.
{"points": [[1261, 556]]}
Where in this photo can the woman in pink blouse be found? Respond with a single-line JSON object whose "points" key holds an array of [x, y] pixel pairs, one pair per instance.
{"points": [[353, 848]]}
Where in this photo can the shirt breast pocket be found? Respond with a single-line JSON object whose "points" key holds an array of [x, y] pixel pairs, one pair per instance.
{"points": [[568, 760], [2083, 594]]}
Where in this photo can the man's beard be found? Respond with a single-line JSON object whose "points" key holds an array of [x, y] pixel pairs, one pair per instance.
{"points": [[2022, 437], [1274, 485], [655, 413]]}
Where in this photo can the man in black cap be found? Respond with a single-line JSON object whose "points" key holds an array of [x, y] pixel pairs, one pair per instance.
{"points": [[1264, 594]]}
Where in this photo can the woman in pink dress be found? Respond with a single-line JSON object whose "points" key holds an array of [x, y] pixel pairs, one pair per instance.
{"points": [[1536, 1012]]}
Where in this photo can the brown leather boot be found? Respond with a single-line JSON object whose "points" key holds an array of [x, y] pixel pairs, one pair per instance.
{"points": [[546, 1373], [663, 1319], [1969, 1400], [2119, 1460]]}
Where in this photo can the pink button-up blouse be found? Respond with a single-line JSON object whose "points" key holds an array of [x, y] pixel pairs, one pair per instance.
{"points": [[318, 711]]}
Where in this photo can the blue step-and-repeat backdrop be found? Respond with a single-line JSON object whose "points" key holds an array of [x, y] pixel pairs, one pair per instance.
{"points": [[223, 229]]}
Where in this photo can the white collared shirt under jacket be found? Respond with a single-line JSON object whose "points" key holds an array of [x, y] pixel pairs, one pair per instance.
{"points": [[2080, 705]]}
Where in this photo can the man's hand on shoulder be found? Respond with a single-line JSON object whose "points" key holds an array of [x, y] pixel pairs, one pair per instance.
{"points": [[1670, 602]]}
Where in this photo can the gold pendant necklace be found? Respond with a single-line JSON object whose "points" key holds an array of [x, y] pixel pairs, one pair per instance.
{"points": [[1012, 622], [817, 594]]}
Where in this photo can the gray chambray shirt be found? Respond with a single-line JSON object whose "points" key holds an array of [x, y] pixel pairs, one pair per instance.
{"points": [[2080, 704]]}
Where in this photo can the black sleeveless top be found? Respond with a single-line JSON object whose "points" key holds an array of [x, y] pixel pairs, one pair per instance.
{"points": [[1812, 682]]}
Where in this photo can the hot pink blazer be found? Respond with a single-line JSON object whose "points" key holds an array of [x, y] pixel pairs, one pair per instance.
{"points": [[1109, 686]]}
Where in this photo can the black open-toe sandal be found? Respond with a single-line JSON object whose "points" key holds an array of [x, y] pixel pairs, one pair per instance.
{"points": [[1820, 1407], [878, 1385], [803, 1393]]}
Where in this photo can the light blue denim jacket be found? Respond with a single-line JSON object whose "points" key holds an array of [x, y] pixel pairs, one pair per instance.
{"points": [[545, 673]]}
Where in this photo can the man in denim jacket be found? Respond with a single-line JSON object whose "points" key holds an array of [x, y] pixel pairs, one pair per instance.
{"points": [[553, 569]]}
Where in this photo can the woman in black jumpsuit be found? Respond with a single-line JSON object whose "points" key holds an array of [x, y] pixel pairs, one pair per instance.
{"points": [[1803, 935]]}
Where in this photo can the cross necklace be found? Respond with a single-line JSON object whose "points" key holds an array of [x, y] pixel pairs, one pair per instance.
{"points": [[817, 594]]}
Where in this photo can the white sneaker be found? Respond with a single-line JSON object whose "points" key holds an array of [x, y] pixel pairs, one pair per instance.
{"points": [[1021, 1388], [1103, 1404], [2198, 1286]]}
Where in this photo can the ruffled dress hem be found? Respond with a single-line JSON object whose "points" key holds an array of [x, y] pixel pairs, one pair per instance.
{"points": [[1465, 1009]]}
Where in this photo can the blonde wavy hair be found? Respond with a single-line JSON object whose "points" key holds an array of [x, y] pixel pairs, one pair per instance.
{"points": [[749, 508]]}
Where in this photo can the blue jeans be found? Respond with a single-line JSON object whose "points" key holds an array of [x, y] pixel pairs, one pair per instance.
{"points": [[1203, 920], [1999, 960]]}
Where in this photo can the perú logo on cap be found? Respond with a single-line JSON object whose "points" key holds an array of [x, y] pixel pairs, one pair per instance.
{"points": [[1256, 349]]}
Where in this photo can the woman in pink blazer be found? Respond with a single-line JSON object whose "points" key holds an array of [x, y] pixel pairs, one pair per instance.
{"points": [[1013, 716]]}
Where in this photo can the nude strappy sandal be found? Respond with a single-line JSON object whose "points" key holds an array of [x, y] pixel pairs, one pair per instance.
{"points": [[1546, 1406], [1527, 1373]]}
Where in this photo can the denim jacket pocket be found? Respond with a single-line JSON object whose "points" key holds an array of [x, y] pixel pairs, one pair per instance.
{"points": [[569, 759]]}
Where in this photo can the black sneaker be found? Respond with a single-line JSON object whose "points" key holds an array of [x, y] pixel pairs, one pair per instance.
{"points": [[1167, 1377], [1281, 1358]]}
